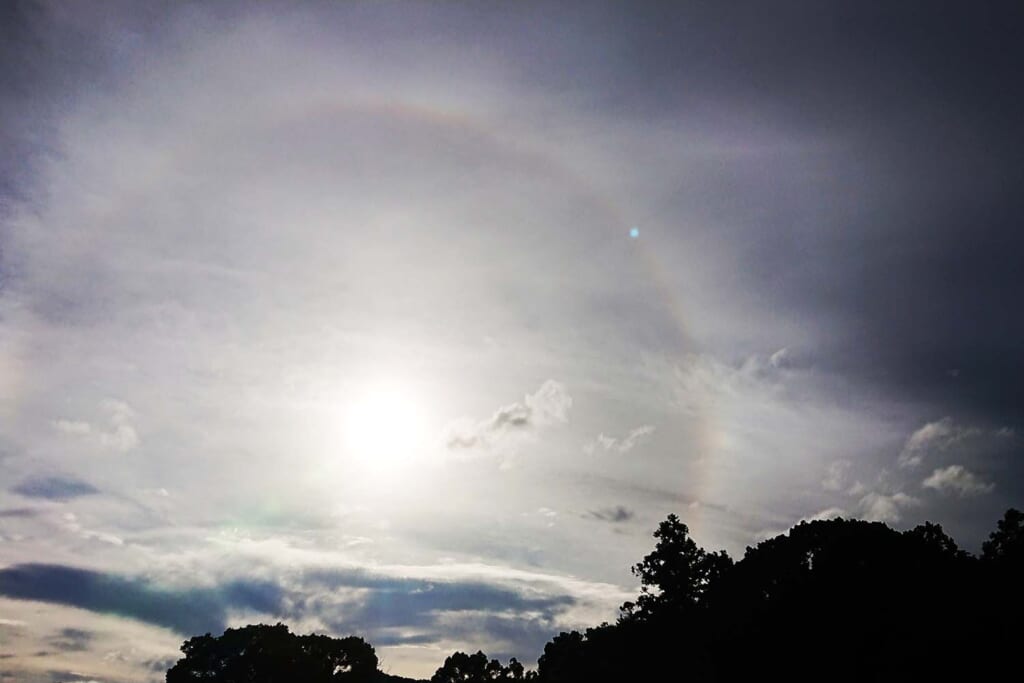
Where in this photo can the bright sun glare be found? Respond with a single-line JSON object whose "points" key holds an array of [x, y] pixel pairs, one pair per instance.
{"points": [[384, 427]]}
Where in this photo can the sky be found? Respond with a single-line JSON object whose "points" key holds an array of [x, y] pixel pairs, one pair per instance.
{"points": [[413, 320]]}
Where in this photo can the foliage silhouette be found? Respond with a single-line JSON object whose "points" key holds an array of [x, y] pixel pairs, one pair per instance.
{"points": [[269, 654], [676, 575], [463, 668], [838, 600]]}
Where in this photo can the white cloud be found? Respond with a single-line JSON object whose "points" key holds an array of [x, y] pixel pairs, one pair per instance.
{"points": [[881, 507], [933, 436], [959, 480], [70, 522], [829, 513], [76, 427], [550, 404], [835, 478], [117, 435], [547, 406], [780, 358], [623, 444], [824, 515]]}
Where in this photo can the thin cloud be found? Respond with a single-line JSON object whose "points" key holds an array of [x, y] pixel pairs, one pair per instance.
{"points": [[835, 478], [623, 444], [616, 515], [187, 611], [119, 434], [54, 488], [19, 513]]}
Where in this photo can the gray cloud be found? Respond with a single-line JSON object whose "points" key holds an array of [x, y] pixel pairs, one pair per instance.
{"points": [[54, 488], [615, 514], [72, 640], [188, 611], [18, 513], [424, 604]]}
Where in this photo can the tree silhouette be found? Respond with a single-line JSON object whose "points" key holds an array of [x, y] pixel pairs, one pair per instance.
{"points": [[271, 654], [1006, 543], [463, 668], [677, 574]]}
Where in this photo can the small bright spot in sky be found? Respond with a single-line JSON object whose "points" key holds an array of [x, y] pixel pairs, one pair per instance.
{"points": [[634, 232]]}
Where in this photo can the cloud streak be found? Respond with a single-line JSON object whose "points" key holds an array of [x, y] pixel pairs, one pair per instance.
{"points": [[54, 488], [615, 515], [187, 611]]}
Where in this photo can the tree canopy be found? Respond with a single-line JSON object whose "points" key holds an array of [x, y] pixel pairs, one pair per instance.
{"points": [[272, 654], [463, 668]]}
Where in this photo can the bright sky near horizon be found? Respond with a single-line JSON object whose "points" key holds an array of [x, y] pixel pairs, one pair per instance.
{"points": [[413, 320]]}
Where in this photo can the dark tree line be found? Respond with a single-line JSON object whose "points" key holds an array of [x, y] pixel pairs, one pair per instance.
{"points": [[272, 654], [839, 600]]}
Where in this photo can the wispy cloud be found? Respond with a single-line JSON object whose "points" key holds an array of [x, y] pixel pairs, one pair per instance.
{"points": [[54, 488], [835, 477], [118, 434], [616, 514], [620, 444], [188, 611]]}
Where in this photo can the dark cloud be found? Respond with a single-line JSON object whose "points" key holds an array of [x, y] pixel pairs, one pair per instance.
{"points": [[880, 213], [419, 602], [54, 488], [615, 514], [388, 639], [394, 610], [18, 513], [188, 611], [528, 634], [418, 611], [57, 676], [72, 640], [899, 233]]}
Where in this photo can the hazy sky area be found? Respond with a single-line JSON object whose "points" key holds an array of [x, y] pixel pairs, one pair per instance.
{"points": [[331, 313]]}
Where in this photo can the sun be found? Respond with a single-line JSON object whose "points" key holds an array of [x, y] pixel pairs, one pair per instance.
{"points": [[384, 426]]}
